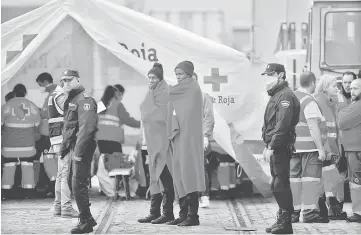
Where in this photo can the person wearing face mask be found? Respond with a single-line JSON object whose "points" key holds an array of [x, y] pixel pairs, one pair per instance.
{"points": [[80, 127], [186, 147], [349, 123], [280, 119], [45, 82], [344, 96], [20, 121], [326, 97], [62, 204], [154, 118], [306, 163]]}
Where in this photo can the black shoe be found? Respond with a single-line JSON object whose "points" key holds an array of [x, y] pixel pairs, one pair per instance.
{"points": [[355, 218], [190, 222], [84, 226], [269, 229], [163, 219], [338, 216], [284, 225], [176, 221], [318, 219], [149, 218]]}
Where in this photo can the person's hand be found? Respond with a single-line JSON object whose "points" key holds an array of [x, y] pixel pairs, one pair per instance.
{"points": [[206, 143], [267, 153], [321, 155]]}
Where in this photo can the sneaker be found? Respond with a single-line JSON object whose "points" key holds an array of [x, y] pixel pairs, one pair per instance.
{"points": [[56, 212], [70, 214], [204, 202], [355, 218]]}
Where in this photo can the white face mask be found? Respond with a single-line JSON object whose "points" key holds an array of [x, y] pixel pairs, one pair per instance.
{"points": [[42, 89]]}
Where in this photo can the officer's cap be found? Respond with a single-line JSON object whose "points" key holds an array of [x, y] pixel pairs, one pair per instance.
{"points": [[273, 67], [70, 74]]}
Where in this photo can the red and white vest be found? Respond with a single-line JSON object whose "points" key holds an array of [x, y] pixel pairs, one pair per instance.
{"points": [[304, 141], [56, 120]]}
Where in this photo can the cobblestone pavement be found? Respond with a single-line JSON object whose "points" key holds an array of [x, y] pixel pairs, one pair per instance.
{"points": [[35, 217], [261, 213], [212, 220]]}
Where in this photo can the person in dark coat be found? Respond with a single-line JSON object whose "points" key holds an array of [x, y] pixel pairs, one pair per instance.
{"points": [[278, 132], [80, 127]]}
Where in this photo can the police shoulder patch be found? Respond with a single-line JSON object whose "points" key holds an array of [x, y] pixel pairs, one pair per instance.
{"points": [[285, 103], [86, 107]]}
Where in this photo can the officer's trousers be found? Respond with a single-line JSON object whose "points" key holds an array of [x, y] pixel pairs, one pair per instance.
{"points": [[78, 181], [354, 175], [27, 173], [306, 184], [280, 171]]}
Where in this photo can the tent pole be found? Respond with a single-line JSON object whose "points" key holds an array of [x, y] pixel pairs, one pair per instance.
{"points": [[98, 84]]}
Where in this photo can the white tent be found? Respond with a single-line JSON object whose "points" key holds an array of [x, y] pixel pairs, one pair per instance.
{"points": [[110, 44]]}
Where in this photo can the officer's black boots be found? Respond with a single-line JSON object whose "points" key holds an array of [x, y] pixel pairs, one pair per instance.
{"points": [[156, 201], [183, 206], [85, 225], [193, 205], [269, 229], [167, 215], [284, 225]]}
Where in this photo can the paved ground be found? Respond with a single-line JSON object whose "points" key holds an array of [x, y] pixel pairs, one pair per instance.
{"points": [[35, 217]]}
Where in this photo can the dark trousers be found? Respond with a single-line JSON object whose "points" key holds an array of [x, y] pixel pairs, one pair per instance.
{"points": [[280, 171], [106, 146], [79, 186], [168, 191], [189, 205], [207, 173]]}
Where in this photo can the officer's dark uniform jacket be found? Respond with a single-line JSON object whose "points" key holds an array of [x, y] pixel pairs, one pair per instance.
{"points": [[80, 125], [281, 116]]}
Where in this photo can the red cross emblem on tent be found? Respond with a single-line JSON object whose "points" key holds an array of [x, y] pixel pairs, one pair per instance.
{"points": [[215, 79]]}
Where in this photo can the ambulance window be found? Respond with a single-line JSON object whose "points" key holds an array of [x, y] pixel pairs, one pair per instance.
{"points": [[342, 38]]}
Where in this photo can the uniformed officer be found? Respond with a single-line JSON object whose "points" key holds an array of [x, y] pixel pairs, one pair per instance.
{"points": [[349, 123], [80, 126], [278, 132]]}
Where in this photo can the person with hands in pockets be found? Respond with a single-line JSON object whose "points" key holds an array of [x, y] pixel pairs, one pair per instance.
{"points": [[80, 127]]}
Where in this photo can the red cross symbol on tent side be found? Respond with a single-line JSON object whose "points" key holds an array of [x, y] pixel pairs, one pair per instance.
{"points": [[215, 79], [21, 111]]}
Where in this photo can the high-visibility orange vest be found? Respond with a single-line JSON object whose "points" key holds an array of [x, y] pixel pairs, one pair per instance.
{"points": [[343, 102], [21, 119], [304, 141], [109, 125], [329, 112], [56, 120]]}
